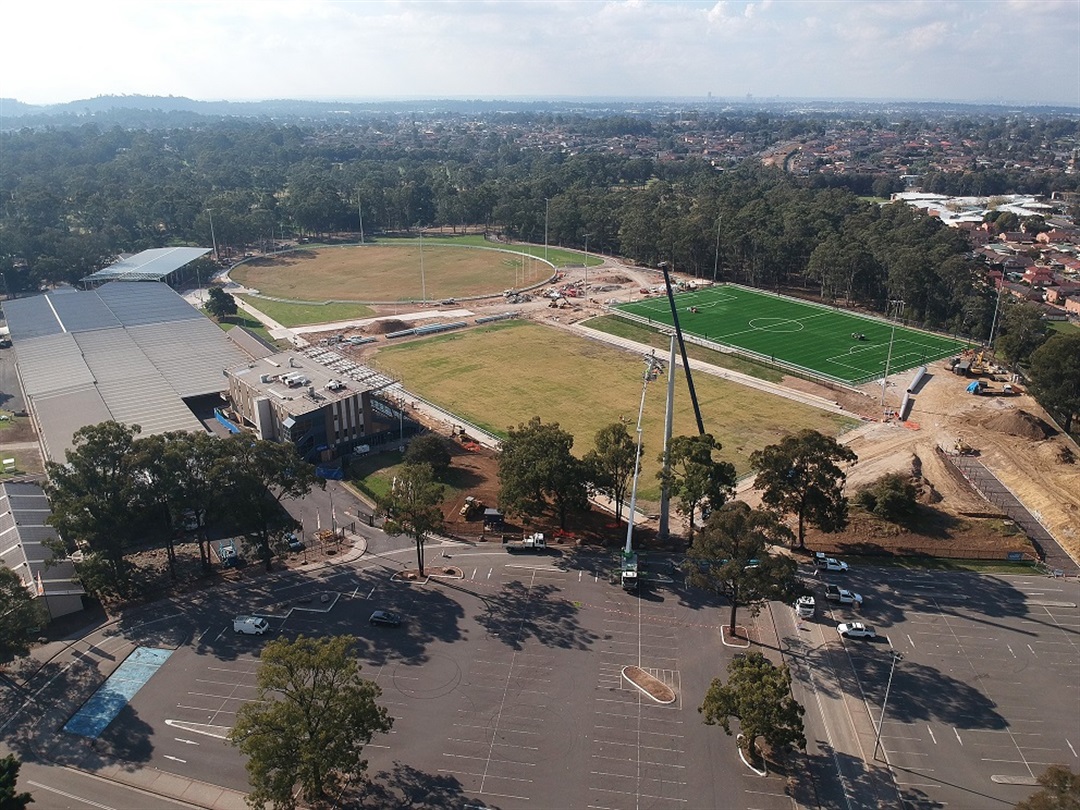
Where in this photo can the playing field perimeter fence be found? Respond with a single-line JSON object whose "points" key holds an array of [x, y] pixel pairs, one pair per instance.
{"points": [[728, 348]]}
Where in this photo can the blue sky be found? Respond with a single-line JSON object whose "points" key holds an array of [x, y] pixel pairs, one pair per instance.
{"points": [[1013, 51]]}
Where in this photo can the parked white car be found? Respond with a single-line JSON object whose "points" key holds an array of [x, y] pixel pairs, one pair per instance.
{"points": [[805, 606], [856, 630], [843, 595], [831, 564]]}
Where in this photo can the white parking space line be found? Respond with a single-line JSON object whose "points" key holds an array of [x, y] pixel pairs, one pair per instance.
{"points": [[957, 733]]}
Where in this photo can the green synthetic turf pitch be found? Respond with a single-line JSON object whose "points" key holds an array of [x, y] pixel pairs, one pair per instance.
{"points": [[785, 331]]}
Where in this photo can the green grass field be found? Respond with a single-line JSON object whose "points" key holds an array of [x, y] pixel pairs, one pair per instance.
{"points": [[304, 314], [504, 374], [811, 338]]}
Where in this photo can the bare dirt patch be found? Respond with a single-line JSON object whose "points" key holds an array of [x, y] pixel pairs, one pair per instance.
{"points": [[1020, 423]]}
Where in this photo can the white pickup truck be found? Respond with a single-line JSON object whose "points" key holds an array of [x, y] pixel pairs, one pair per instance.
{"points": [[843, 595]]}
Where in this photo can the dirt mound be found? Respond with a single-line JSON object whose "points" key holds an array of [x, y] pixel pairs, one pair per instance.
{"points": [[617, 279], [1020, 423], [391, 325]]}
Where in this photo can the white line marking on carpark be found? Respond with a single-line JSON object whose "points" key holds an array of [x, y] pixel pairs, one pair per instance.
{"points": [[909, 641], [474, 573], [70, 796], [1070, 746], [489, 572], [957, 733], [186, 742], [1032, 650], [175, 759], [1010, 649], [932, 737]]}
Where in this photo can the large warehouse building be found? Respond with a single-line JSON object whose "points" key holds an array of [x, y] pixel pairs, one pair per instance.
{"points": [[133, 352]]}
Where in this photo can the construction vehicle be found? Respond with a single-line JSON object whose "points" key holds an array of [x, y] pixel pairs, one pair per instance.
{"points": [[534, 544], [472, 508], [964, 449], [629, 576]]}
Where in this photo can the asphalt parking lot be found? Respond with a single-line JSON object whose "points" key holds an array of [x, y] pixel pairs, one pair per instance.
{"points": [[985, 694], [506, 688]]}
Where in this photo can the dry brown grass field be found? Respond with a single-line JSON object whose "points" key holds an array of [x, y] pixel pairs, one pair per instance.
{"points": [[388, 273], [503, 375]]}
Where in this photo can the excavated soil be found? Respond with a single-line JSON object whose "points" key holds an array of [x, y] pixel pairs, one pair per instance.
{"points": [[1020, 423]]}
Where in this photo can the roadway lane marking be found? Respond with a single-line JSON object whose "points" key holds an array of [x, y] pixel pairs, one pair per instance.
{"points": [[186, 742], [932, 737], [70, 795], [957, 733], [175, 759]]}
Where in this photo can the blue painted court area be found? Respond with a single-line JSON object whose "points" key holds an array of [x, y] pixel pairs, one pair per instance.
{"points": [[118, 689]]}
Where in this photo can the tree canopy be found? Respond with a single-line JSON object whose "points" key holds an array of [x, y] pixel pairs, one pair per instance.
{"points": [[801, 476], [430, 449], [413, 506], [731, 556], [535, 465], [220, 304], [695, 479], [9, 777], [611, 463], [311, 718], [1060, 790], [758, 695], [118, 490], [1055, 377], [20, 615], [1023, 330]]}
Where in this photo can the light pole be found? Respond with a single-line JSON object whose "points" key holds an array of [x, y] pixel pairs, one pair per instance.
{"points": [[585, 290], [423, 283], [547, 206], [888, 357], [997, 306], [653, 368], [716, 258], [210, 212], [896, 657]]}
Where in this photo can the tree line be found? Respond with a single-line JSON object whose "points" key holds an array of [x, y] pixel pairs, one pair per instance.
{"points": [[119, 492], [73, 198]]}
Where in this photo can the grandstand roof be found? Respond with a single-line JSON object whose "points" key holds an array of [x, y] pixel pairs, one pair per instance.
{"points": [[127, 352], [150, 265]]}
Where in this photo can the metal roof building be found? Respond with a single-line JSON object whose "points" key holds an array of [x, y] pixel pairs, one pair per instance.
{"points": [[156, 264], [23, 532], [127, 352]]}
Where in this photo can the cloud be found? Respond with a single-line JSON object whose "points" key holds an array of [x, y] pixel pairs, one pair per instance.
{"points": [[245, 49]]}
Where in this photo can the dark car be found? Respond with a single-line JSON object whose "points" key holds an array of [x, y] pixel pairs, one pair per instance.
{"points": [[295, 543], [384, 618]]}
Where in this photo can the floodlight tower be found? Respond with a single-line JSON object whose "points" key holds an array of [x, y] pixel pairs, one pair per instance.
{"points": [[653, 368]]}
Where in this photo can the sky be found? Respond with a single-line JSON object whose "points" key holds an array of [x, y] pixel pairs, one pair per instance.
{"points": [[1009, 51]]}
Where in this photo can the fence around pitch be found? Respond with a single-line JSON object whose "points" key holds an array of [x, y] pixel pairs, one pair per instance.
{"points": [[727, 348]]}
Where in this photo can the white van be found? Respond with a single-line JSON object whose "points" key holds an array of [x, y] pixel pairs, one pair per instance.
{"points": [[805, 607], [250, 625]]}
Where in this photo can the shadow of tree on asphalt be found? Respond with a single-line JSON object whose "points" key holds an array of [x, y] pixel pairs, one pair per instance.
{"points": [[408, 787], [868, 785], [920, 692], [516, 613]]}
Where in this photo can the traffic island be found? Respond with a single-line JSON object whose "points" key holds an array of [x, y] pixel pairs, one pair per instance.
{"points": [[414, 577], [649, 684], [740, 638]]}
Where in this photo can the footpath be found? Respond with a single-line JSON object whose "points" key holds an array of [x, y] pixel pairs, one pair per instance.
{"points": [[62, 675]]}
